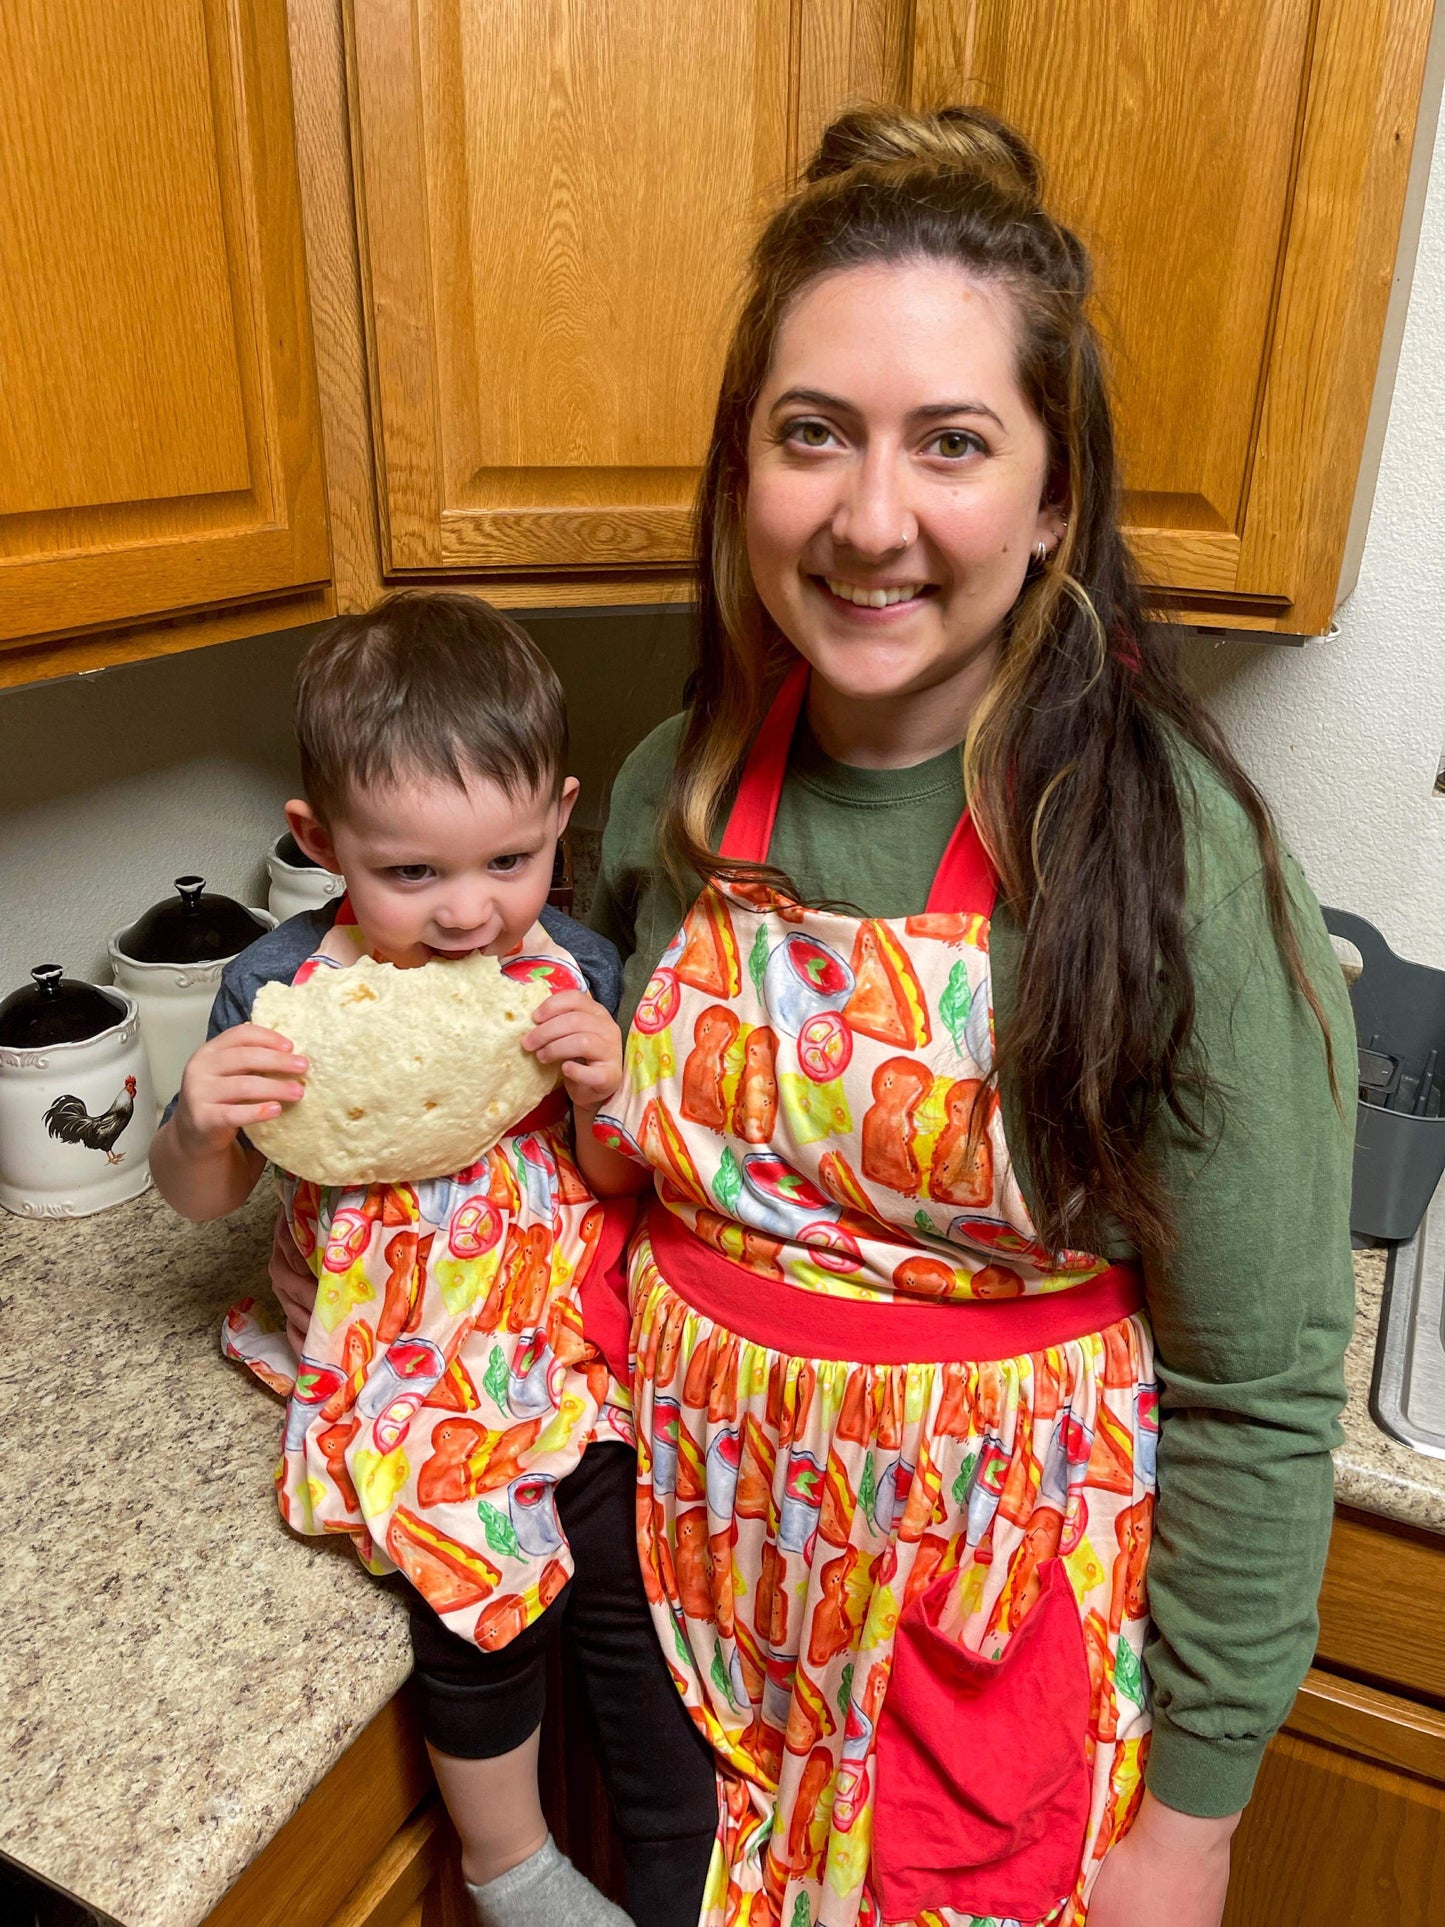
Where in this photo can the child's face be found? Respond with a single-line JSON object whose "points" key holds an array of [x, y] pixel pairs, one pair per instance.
{"points": [[437, 871]]}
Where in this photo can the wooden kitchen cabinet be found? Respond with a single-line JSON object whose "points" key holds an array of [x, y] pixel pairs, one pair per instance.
{"points": [[1348, 1818], [160, 450], [1239, 172], [1347, 1822], [525, 229], [554, 203]]}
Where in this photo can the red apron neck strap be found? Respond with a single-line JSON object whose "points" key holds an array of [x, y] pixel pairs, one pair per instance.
{"points": [[965, 881], [750, 826]]}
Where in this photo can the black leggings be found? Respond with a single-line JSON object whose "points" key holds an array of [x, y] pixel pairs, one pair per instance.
{"points": [[658, 1768]]}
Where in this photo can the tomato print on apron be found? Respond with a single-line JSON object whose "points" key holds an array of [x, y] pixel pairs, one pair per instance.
{"points": [[895, 1458], [447, 1384]]}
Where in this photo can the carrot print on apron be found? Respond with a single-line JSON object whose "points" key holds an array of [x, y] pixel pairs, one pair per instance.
{"points": [[896, 1459]]}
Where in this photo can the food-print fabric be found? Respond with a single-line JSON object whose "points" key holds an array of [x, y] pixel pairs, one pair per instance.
{"points": [[905, 1602], [446, 1384]]}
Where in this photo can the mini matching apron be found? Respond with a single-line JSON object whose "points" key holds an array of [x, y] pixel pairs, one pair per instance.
{"points": [[895, 1458], [447, 1384]]}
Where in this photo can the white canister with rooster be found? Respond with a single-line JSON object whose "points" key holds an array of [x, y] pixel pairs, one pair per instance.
{"points": [[76, 1106], [170, 961], [296, 882]]}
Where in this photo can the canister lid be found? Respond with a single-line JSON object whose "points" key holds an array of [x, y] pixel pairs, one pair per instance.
{"points": [[194, 926], [56, 1009]]}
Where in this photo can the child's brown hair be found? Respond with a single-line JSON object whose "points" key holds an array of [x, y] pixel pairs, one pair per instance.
{"points": [[427, 683]]}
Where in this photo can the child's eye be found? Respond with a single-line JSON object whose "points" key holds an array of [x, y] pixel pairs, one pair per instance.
{"points": [[508, 865], [411, 872]]}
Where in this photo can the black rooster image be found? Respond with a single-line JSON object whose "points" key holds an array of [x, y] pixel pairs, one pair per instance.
{"points": [[69, 1120]]}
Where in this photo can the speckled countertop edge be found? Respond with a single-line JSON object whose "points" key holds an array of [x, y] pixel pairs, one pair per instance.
{"points": [[178, 1671]]}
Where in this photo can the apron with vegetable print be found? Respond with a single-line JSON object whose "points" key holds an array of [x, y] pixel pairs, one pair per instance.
{"points": [[895, 1458], [447, 1384]]}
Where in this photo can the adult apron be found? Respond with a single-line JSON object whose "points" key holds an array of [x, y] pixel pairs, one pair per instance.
{"points": [[895, 1458]]}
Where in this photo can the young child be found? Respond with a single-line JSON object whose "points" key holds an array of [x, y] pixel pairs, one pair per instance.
{"points": [[447, 1390]]}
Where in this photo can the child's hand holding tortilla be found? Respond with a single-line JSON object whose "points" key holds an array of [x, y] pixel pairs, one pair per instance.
{"points": [[413, 1073]]}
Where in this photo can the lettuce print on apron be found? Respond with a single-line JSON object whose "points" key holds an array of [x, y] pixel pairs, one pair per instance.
{"points": [[895, 1458]]}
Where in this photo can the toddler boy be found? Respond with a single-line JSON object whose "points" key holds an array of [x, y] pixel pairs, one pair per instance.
{"points": [[433, 745]]}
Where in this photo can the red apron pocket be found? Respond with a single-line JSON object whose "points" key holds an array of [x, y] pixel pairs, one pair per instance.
{"points": [[983, 1790]]}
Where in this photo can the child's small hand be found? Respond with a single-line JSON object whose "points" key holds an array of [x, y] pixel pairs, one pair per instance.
{"points": [[240, 1076], [573, 1030]]}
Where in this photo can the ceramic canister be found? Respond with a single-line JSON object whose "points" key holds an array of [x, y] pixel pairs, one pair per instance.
{"points": [[296, 882], [174, 994], [76, 1118]]}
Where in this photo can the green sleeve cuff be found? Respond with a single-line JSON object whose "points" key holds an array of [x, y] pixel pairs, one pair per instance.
{"points": [[1208, 1778]]}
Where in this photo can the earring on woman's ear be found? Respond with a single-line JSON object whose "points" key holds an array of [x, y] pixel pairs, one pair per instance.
{"points": [[1041, 553]]}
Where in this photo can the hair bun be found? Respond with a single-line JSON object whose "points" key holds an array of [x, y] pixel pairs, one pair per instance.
{"points": [[968, 140]]}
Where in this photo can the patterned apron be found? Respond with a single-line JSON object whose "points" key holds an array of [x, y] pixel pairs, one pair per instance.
{"points": [[896, 1459], [446, 1384]]}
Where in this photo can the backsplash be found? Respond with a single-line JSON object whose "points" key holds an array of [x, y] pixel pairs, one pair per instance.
{"points": [[113, 784]]}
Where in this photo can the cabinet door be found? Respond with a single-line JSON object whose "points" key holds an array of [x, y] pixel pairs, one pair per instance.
{"points": [[1239, 174], [1347, 1823], [159, 440], [555, 203]]}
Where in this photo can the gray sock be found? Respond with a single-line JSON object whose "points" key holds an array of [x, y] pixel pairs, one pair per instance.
{"points": [[545, 1890]]}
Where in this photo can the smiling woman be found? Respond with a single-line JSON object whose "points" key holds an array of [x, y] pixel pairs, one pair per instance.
{"points": [[969, 982]]}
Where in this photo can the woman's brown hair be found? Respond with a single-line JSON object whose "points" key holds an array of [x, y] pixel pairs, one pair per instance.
{"points": [[1071, 760]]}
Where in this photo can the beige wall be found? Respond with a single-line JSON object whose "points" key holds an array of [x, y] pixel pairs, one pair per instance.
{"points": [[114, 783]]}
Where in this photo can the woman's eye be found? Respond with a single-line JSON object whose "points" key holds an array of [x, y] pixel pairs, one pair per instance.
{"points": [[411, 872], [954, 442], [808, 434]]}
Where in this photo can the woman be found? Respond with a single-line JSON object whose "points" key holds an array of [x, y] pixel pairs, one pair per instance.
{"points": [[946, 1110], [955, 1119]]}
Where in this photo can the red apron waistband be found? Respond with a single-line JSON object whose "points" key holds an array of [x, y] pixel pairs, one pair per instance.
{"points": [[805, 1324]]}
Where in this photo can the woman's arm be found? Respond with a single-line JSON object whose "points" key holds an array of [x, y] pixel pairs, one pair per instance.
{"points": [[635, 907], [635, 904], [1169, 1870], [1251, 1317]]}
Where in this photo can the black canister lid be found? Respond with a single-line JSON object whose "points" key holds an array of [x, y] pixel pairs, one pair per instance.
{"points": [[290, 851], [56, 1009], [194, 926]]}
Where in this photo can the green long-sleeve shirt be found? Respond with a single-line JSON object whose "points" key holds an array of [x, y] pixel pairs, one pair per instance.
{"points": [[1251, 1316]]}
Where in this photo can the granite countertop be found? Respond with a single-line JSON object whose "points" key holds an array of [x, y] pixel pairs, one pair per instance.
{"points": [[1373, 1471], [179, 1671]]}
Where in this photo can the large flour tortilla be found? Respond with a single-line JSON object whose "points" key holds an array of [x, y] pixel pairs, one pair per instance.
{"points": [[414, 1073]]}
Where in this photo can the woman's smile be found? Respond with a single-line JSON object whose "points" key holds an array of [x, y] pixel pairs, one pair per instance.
{"points": [[872, 601]]}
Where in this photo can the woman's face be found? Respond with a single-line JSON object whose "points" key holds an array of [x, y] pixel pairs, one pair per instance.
{"points": [[893, 454]]}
